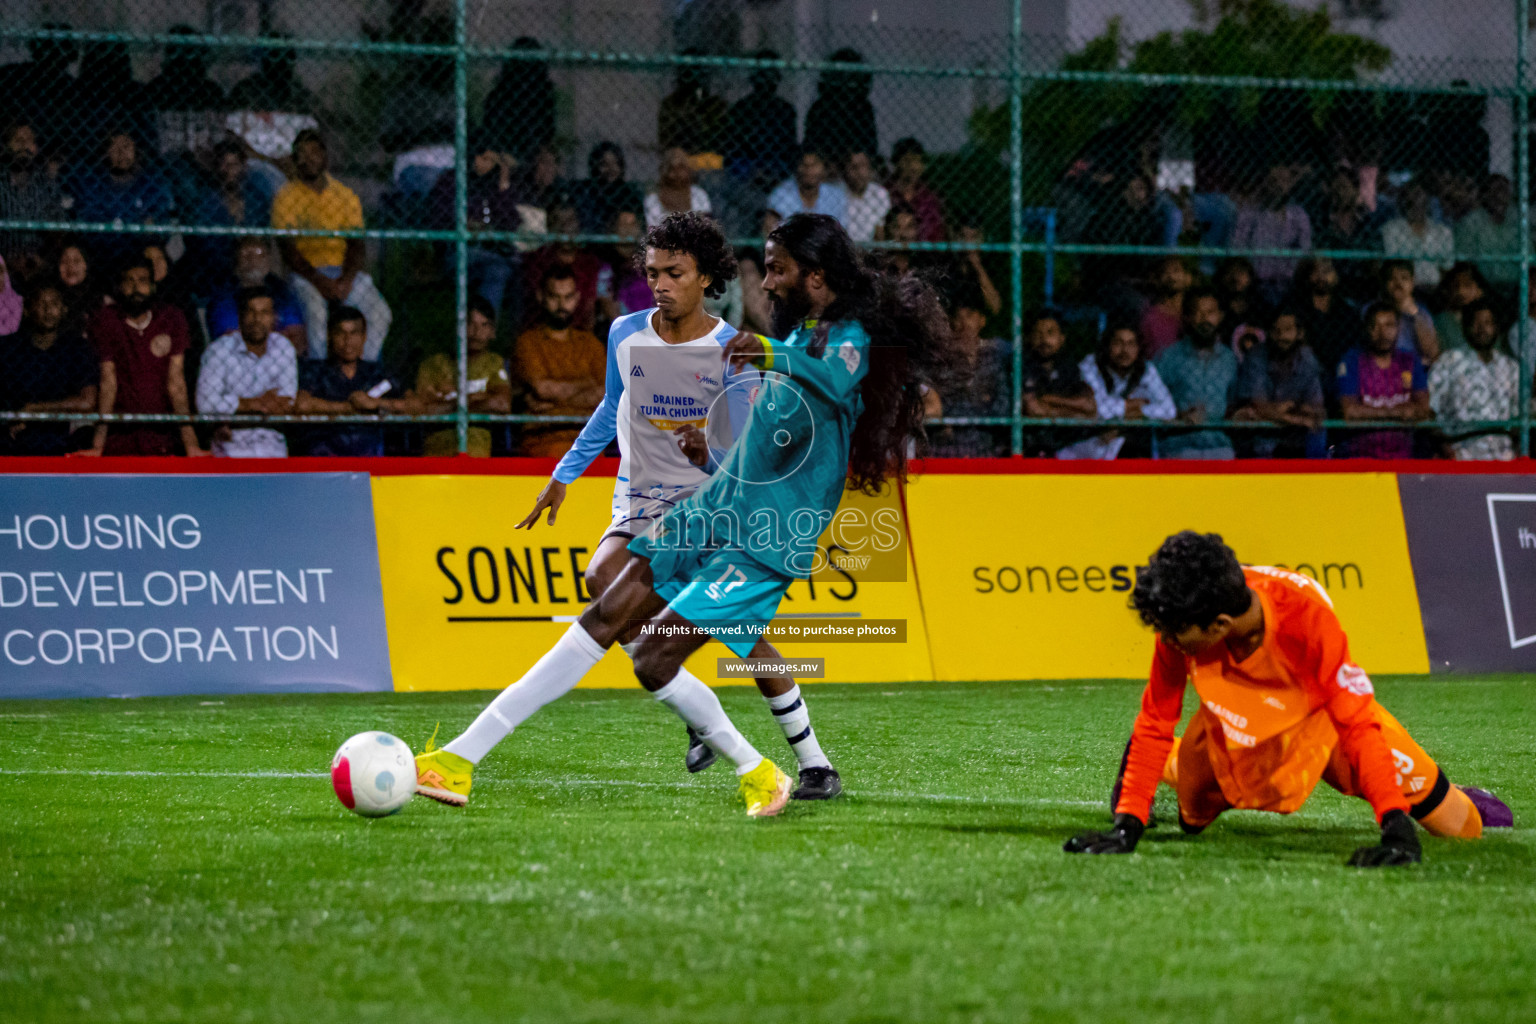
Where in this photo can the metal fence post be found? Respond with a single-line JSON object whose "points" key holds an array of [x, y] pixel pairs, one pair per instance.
{"points": [[1523, 174], [1016, 213], [461, 211]]}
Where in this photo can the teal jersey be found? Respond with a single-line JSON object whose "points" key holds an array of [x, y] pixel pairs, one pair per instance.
{"points": [[778, 486]]}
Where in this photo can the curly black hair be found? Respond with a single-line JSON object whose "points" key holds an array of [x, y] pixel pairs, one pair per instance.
{"points": [[1189, 581], [698, 235]]}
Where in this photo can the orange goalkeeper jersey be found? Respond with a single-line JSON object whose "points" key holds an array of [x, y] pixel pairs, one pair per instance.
{"points": [[1282, 709]]}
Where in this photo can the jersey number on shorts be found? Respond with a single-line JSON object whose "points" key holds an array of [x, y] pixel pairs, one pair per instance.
{"points": [[719, 588]]}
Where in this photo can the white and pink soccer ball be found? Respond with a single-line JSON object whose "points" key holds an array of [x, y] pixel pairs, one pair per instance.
{"points": [[374, 774]]}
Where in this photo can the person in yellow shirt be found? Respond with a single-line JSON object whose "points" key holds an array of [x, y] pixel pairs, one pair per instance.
{"points": [[326, 270], [437, 383]]}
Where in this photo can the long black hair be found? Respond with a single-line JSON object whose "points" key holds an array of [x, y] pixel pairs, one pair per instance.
{"points": [[1138, 369], [910, 344]]}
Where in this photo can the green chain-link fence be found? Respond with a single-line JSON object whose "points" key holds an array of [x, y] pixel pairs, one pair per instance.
{"points": [[425, 166]]}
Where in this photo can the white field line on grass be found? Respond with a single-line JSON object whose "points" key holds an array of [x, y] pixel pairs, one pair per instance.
{"points": [[553, 783]]}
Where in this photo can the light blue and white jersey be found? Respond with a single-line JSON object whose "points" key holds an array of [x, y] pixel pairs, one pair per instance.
{"points": [[652, 388]]}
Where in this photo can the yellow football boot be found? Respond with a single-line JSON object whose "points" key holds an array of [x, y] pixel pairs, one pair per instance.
{"points": [[442, 776], [765, 790]]}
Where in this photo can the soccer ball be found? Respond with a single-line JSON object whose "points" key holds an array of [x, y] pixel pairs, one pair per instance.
{"points": [[373, 774]]}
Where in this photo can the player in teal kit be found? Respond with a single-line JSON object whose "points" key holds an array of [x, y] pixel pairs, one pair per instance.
{"points": [[840, 402]]}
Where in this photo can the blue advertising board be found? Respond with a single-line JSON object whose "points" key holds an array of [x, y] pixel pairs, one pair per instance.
{"points": [[126, 586]]}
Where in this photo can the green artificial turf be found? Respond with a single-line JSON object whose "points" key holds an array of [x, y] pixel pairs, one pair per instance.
{"points": [[185, 860]]}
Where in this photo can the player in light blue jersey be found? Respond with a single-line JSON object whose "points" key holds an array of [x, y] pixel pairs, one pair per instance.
{"points": [[675, 407], [840, 403]]}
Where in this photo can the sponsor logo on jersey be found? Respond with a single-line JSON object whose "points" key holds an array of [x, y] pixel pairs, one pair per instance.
{"points": [[1354, 679], [637, 372], [704, 378]]}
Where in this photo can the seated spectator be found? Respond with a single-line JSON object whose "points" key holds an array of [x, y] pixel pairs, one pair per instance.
{"points": [[562, 366], [969, 269], [141, 344], [1124, 213], [83, 296], [108, 97], [121, 190], [10, 302], [1412, 234], [345, 383], [27, 192], [542, 186], [621, 286], [1163, 321], [275, 87], [489, 390], [250, 370], [1281, 382], [171, 286], [1242, 300], [987, 369], [868, 200], [1201, 374], [909, 187], [326, 270], [841, 120], [1125, 387], [675, 191], [1346, 223], [1415, 327], [605, 193], [43, 369], [1329, 323], [1052, 385], [1477, 383], [692, 117], [755, 312], [582, 264], [901, 229], [237, 199], [253, 269], [519, 113], [1381, 381], [809, 191], [760, 130], [1492, 229], [1269, 219], [492, 205], [1460, 286]]}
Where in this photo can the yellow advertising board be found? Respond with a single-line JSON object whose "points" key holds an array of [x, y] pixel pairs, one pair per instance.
{"points": [[471, 603], [1028, 576]]}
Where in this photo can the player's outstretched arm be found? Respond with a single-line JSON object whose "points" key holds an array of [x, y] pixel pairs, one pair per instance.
{"points": [[1399, 844], [1122, 837]]}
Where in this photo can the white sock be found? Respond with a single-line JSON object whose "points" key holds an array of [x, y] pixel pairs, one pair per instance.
{"points": [[552, 677], [697, 705], [795, 719]]}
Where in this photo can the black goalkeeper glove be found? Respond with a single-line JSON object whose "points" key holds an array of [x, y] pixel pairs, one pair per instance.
{"points": [[1399, 844], [1122, 837]]}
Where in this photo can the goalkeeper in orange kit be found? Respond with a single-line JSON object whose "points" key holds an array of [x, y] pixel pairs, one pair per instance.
{"points": [[1283, 706]]}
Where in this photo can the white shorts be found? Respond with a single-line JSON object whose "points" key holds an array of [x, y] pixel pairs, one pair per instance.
{"points": [[636, 515]]}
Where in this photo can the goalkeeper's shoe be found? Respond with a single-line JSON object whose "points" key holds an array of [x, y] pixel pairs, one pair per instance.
{"points": [[442, 776], [765, 790]]}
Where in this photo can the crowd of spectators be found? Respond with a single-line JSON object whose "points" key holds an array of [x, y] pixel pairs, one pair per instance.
{"points": [[1241, 358]]}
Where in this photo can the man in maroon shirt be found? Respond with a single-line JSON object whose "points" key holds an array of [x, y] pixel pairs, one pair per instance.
{"points": [[563, 220], [141, 344]]}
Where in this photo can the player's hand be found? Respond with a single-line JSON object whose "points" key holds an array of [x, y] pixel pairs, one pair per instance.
{"points": [[742, 349], [691, 442], [1122, 837], [551, 497], [1399, 844]]}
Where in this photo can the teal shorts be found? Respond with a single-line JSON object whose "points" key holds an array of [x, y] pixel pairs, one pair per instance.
{"points": [[724, 593]]}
